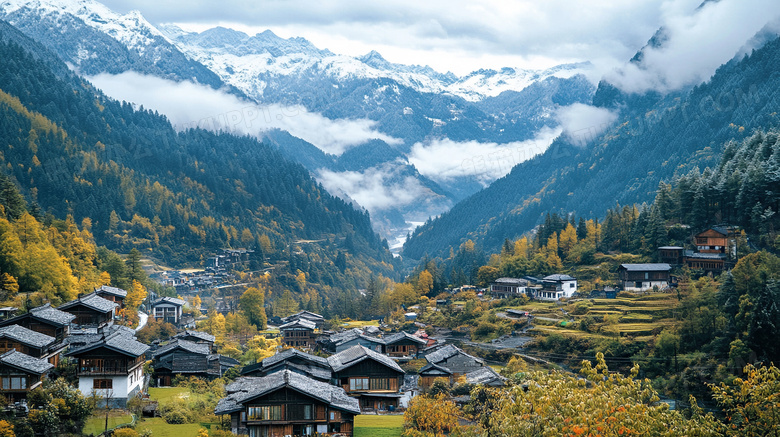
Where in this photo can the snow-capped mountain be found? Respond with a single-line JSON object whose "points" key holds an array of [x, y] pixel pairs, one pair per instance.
{"points": [[94, 39], [250, 62]]}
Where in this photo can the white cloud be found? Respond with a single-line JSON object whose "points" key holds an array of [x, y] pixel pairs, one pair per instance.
{"points": [[187, 104], [697, 43], [583, 123], [374, 189], [443, 159]]}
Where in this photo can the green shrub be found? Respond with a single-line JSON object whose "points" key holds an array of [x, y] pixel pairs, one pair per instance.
{"points": [[175, 417]]}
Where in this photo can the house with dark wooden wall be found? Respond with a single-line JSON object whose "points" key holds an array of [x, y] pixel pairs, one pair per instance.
{"points": [[287, 404], [299, 333], [643, 277], [114, 294], [44, 319], [197, 337], [373, 378], [31, 343], [183, 357], [309, 316], [449, 361], [91, 310], [20, 373], [403, 345], [293, 360]]}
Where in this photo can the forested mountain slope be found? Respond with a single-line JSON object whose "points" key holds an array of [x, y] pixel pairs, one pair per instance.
{"points": [[660, 141], [176, 196]]}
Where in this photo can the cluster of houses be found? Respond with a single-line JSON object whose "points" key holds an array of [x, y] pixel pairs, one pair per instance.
{"points": [[298, 393]]}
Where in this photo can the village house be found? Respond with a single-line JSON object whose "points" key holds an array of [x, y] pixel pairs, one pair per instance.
{"points": [[167, 310], [315, 318], [183, 357], [373, 378], [507, 288], [299, 333], [449, 362], [116, 295], [20, 373], [91, 310], [197, 337], [485, 376], [292, 360], [286, 403], [643, 277], [556, 287], [44, 319], [403, 345], [111, 367], [716, 249], [31, 343]]}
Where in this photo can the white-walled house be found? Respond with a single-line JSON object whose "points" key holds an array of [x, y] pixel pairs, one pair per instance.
{"points": [[556, 287], [168, 310], [111, 367]]}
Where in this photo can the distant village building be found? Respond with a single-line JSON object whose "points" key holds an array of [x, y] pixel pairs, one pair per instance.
{"points": [[309, 316], [183, 357], [197, 337], [716, 248], [116, 295], [449, 362], [507, 288], [485, 376], [168, 310], [292, 360], [643, 277], [287, 404], [556, 287], [111, 367], [299, 333], [403, 344]]}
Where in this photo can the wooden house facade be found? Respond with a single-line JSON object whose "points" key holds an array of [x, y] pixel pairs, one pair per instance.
{"points": [[31, 343], [299, 333], [373, 378], [91, 310], [20, 373], [45, 320], [643, 277], [449, 361], [292, 360], [114, 294], [403, 345], [287, 404], [183, 357]]}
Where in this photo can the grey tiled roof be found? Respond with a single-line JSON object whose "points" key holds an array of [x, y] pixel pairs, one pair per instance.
{"points": [[306, 315], [485, 375], [358, 353], [655, 267], [197, 334], [46, 312], [303, 323], [185, 345], [697, 255], [112, 291], [392, 338], [513, 281], [447, 352], [24, 362], [432, 367], [558, 277], [345, 336], [26, 336], [170, 300], [119, 341], [290, 353], [248, 388], [92, 301]]}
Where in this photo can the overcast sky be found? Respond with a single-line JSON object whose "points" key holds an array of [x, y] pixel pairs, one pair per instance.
{"points": [[455, 35]]}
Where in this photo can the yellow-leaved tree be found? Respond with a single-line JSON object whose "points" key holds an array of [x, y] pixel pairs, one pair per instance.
{"points": [[430, 416], [135, 296]]}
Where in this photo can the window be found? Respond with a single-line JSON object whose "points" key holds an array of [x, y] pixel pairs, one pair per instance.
{"points": [[14, 383], [380, 384], [303, 430], [358, 384], [102, 384], [299, 412], [266, 412], [258, 431]]}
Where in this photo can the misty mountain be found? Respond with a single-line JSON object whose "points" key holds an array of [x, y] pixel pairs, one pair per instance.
{"points": [[656, 137]]}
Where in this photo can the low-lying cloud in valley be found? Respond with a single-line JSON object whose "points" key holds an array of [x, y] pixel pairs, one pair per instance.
{"points": [[443, 159], [375, 189], [583, 123], [189, 105], [695, 44]]}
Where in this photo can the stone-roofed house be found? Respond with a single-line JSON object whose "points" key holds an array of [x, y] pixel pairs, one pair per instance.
{"points": [[295, 361], [44, 319], [20, 373], [114, 294], [374, 378], [299, 333], [286, 403], [168, 310], [183, 357], [403, 344], [643, 277], [485, 376], [31, 343], [309, 316], [353, 337], [556, 287], [449, 361], [91, 310], [197, 337], [111, 366], [507, 288]]}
